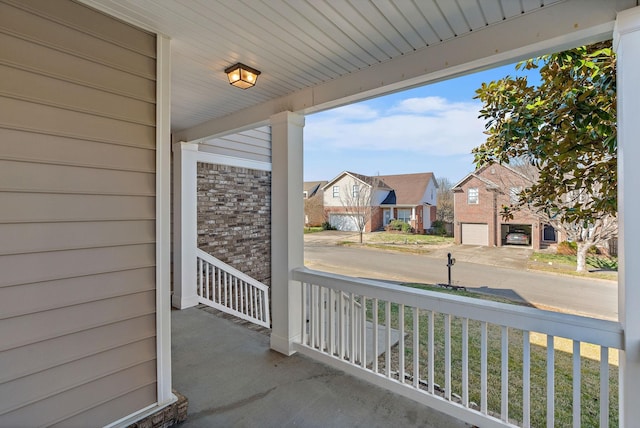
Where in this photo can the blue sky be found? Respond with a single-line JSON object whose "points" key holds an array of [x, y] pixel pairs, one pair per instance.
{"points": [[428, 129]]}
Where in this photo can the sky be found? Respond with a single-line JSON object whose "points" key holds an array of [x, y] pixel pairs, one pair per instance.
{"points": [[428, 129]]}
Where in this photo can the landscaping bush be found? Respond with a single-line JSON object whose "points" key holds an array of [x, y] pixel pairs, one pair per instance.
{"points": [[399, 225], [327, 226], [438, 228], [571, 249]]}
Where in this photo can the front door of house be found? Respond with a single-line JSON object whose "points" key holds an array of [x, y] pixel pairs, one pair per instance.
{"points": [[386, 217]]}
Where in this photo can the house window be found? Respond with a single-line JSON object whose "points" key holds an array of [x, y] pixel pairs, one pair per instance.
{"points": [[514, 194], [472, 195], [336, 191], [355, 191], [404, 215]]}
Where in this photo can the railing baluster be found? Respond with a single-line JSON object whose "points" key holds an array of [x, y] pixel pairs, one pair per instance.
{"points": [[401, 343], [200, 277], [305, 314], [375, 335], [314, 315], [504, 392], [577, 380], [332, 322], [430, 361], [550, 382], [363, 332], [323, 320], [484, 398], [236, 293], [526, 380], [206, 279], [341, 323], [416, 347], [465, 362], [447, 356], [352, 328], [387, 348], [604, 387], [219, 284]]}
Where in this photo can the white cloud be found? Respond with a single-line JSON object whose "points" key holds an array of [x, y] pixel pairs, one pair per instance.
{"points": [[428, 125]]}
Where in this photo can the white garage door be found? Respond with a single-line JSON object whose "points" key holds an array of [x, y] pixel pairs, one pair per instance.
{"points": [[344, 222], [475, 234]]}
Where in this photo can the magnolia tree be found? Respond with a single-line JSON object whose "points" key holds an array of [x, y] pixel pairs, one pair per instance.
{"points": [[564, 127]]}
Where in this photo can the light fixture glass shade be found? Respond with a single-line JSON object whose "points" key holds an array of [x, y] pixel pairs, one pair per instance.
{"points": [[242, 76]]}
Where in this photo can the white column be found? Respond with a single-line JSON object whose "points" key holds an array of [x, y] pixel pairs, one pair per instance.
{"points": [[287, 228], [185, 223], [627, 46]]}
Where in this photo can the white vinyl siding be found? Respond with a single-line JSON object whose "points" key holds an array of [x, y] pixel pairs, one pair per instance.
{"points": [[77, 191], [254, 144]]}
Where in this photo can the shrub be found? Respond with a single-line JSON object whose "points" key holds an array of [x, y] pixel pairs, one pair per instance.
{"points": [[327, 226], [567, 248], [571, 249], [399, 225], [438, 228]]}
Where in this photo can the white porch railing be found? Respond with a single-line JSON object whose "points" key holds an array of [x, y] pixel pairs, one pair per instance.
{"points": [[473, 359], [229, 290]]}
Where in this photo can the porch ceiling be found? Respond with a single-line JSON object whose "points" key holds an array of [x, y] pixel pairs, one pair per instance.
{"points": [[316, 54]]}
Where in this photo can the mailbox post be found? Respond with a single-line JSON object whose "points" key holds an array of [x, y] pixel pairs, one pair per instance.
{"points": [[450, 262]]}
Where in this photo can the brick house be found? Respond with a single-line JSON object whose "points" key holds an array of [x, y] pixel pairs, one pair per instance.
{"points": [[478, 201], [313, 195], [407, 197]]}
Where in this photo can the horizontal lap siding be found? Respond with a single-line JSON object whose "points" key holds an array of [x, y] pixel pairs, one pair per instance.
{"points": [[254, 144], [77, 216]]}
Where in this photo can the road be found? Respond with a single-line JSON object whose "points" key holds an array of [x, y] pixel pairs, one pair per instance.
{"points": [[596, 298]]}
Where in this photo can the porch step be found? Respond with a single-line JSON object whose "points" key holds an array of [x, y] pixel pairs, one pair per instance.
{"points": [[382, 340]]}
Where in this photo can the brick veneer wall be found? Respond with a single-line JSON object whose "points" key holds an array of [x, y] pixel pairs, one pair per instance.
{"points": [[234, 217]]}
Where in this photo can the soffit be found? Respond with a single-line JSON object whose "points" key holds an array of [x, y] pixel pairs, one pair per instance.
{"points": [[297, 44]]}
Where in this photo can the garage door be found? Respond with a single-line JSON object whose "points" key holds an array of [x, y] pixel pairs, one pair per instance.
{"points": [[345, 222], [475, 234]]}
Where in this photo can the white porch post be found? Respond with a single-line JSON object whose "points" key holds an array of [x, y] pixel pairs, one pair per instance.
{"points": [[287, 228], [627, 46], [185, 233]]}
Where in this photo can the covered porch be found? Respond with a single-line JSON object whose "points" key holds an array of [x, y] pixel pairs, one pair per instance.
{"points": [[233, 378]]}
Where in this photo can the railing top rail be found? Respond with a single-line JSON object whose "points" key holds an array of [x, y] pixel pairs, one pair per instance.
{"points": [[585, 329], [230, 269]]}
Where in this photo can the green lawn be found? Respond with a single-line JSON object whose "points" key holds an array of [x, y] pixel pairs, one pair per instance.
{"points": [[563, 368], [402, 238], [313, 229], [599, 266]]}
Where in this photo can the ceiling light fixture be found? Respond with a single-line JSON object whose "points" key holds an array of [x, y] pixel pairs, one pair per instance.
{"points": [[242, 76]]}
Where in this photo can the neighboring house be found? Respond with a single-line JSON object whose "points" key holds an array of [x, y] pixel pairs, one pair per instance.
{"points": [[478, 201], [407, 197], [313, 203]]}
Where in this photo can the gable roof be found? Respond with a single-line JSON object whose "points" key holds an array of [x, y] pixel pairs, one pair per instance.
{"points": [[365, 179], [312, 187], [409, 189], [490, 184]]}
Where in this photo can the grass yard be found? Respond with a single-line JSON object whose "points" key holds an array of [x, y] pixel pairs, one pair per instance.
{"points": [[602, 267], [590, 370], [313, 229], [403, 239]]}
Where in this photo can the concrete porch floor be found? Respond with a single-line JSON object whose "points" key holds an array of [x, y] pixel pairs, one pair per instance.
{"points": [[233, 379]]}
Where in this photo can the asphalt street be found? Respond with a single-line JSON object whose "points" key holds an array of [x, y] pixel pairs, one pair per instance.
{"points": [[596, 298]]}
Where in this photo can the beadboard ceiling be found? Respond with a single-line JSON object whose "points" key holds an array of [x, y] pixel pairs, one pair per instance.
{"points": [[299, 44]]}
